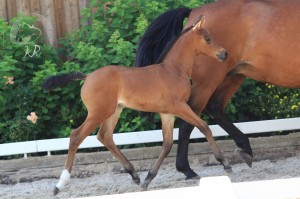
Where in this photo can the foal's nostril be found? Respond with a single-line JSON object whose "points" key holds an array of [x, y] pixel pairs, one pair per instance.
{"points": [[225, 55], [222, 55]]}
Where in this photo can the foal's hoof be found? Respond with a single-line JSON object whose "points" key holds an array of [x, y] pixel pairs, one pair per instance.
{"points": [[137, 181], [144, 186], [246, 157], [228, 169], [55, 191], [226, 165], [136, 178]]}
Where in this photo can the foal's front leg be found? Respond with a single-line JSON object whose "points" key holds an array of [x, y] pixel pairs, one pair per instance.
{"points": [[185, 112], [167, 121], [215, 109]]}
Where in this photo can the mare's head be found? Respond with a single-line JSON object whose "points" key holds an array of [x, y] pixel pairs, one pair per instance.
{"points": [[204, 43]]}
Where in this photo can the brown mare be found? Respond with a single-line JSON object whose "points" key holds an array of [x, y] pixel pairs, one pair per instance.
{"points": [[262, 38], [163, 88]]}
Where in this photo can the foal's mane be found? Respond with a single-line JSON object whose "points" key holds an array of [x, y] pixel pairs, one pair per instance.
{"points": [[173, 41]]}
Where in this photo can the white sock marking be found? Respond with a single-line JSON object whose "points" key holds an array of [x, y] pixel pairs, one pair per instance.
{"points": [[64, 178]]}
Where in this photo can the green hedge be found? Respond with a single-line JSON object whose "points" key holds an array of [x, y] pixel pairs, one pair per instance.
{"points": [[111, 39], [258, 101]]}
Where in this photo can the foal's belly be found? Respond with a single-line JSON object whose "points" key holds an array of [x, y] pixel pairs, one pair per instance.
{"points": [[144, 106], [163, 99]]}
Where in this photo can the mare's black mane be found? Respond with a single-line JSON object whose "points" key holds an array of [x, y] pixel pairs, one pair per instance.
{"points": [[170, 45], [157, 40]]}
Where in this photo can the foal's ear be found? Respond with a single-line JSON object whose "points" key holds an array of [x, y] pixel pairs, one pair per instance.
{"points": [[200, 23]]}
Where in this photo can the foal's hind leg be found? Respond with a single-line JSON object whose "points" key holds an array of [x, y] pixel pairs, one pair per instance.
{"points": [[105, 136], [184, 112], [167, 128], [76, 138]]}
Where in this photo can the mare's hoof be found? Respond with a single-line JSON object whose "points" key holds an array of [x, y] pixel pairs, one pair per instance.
{"points": [[55, 191], [190, 175], [194, 177], [246, 158]]}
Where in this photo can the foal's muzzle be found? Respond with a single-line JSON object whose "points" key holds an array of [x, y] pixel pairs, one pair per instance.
{"points": [[222, 55]]}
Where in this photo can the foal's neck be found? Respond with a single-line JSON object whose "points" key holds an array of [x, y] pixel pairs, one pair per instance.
{"points": [[181, 57]]}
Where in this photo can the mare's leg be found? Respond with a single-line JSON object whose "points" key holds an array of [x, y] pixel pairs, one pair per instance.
{"points": [[185, 112], [182, 162], [167, 128], [76, 138], [215, 109], [105, 136]]}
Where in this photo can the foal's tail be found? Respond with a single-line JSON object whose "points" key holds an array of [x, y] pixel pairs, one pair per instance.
{"points": [[61, 80], [161, 31]]}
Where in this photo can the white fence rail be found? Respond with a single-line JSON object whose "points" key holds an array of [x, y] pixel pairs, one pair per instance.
{"points": [[144, 137]]}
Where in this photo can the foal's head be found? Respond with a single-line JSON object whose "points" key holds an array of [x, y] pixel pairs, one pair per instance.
{"points": [[204, 43]]}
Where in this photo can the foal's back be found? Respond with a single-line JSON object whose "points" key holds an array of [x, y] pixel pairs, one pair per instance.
{"points": [[148, 88]]}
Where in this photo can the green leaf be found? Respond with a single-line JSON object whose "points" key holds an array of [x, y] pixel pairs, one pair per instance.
{"points": [[45, 110], [46, 117], [51, 105]]}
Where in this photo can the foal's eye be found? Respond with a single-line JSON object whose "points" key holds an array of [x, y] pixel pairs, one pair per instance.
{"points": [[207, 39]]}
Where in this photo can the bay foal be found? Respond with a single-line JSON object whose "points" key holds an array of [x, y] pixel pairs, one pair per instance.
{"points": [[163, 88]]}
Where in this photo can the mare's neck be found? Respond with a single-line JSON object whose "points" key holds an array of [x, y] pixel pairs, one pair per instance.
{"points": [[181, 57]]}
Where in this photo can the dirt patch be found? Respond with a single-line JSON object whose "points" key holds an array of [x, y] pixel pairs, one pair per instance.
{"points": [[103, 183], [275, 158]]}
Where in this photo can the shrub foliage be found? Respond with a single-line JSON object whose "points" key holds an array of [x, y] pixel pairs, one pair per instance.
{"points": [[111, 37]]}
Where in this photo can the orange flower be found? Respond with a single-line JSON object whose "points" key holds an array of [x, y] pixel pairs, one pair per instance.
{"points": [[32, 117], [9, 80]]}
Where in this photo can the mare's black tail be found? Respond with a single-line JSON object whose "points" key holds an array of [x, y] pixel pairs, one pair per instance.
{"points": [[161, 31], [61, 80]]}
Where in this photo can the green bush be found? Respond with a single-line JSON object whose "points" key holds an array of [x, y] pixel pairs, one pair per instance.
{"points": [[111, 38], [259, 101], [19, 61]]}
